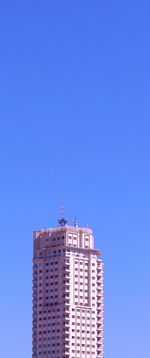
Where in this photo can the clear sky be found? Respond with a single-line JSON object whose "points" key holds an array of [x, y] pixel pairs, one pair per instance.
{"points": [[75, 127]]}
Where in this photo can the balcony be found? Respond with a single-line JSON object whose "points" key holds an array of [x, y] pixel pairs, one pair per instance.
{"points": [[67, 318], [99, 333], [34, 286], [34, 300], [34, 340], [34, 281], [67, 289], [67, 275], [99, 305], [67, 302], [67, 267], [67, 338], [100, 292], [34, 320], [99, 282], [34, 295], [99, 323], [34, 335], [67, 282], [100, 337], [34, 315], [67, 322], [99, 327], [67, 330], [99, 309]]}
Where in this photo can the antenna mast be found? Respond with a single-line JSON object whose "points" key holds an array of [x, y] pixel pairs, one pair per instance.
{"points": [[62, 221], [75, 224]]}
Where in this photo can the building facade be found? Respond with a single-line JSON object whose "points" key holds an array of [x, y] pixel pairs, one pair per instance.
{"points": [[67, 294]]}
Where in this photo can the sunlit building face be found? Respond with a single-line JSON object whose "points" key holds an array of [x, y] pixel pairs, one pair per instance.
{"points": [[67, 294]]}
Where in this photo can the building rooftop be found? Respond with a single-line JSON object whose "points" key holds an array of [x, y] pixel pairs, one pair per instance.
{"points": [[66, 228]]}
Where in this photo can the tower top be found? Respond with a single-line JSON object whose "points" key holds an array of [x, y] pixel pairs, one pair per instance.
{"points": [[62, 221]]}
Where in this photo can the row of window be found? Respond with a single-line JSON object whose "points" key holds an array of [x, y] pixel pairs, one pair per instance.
{"points": [[53, 352], [80, 302], [66, 356], [46, 304], [52, 310], [73, 337], [57, 238], [56, 290], [73, 309], [80, 316], [73, 330], [51, 283], [78, 253], [55, 338], [54, 345], [51, 270], [47, 318]]}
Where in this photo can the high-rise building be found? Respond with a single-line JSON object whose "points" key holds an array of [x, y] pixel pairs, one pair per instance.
{"points": [[67, 293]]}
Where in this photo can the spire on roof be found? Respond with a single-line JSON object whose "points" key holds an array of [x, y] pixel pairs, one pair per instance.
{"points": [[62, 221]]}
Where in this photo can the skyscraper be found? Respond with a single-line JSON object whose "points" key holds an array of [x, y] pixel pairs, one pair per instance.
{"points": [[67, 293]]}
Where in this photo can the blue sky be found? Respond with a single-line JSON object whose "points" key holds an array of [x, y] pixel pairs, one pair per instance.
{"points": [[75, 127]]}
